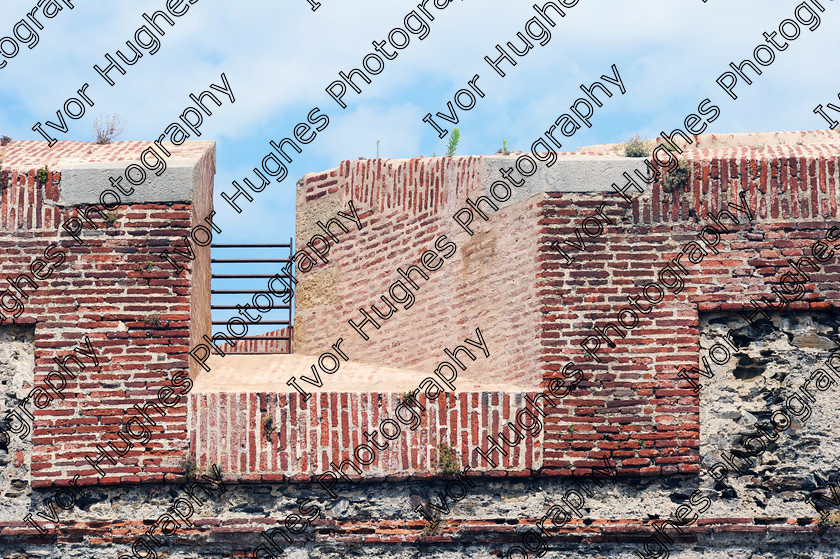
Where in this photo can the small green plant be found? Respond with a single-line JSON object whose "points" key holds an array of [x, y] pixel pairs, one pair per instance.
{"points": [[190, 467], [454, 138], [432, 528], [504, 147], [830, 519], [677, 178], [152, 320], [408, 396], [447, 460], [642, 444], [111, 218], [106, 128], [268, 423], [636, 147], [434, 154], [147, 265], [572, 429], [4, 175], [43, 175]]}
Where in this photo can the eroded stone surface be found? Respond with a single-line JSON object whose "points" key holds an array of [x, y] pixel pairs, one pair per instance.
{"points": [[17, 365], [771, 363]]}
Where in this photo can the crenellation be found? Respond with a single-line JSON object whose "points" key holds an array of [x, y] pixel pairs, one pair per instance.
{"points": [[713, 305]]}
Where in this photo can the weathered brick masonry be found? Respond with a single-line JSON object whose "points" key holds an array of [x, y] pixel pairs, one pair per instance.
{"points": [[533, 308], [408, 204], [634, 394], [111, 288], [632, 406], [303, 438]]}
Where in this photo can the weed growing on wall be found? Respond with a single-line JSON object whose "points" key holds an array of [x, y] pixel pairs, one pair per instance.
{"points": [[447, 461], [42, 175], [106, 128], [432, 528], [831, 519], [268, 423], [454, 138], [677, 178], [190, 467], [636, 147], [4, 175]]}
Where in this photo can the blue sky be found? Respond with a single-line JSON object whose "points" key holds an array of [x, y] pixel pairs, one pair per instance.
{"points": [[280, 56]]}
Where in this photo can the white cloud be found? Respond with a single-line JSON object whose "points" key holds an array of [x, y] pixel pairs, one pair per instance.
{"points": [[279, 57]]}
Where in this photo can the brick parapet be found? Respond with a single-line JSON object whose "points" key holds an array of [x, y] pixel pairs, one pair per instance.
{"points": [[796, 183], [791, 192], [406, 206], [254, 435], [263, 346], [632, 408], [113, 288]]}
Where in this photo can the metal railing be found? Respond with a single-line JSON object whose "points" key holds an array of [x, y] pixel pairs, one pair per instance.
{"points": [[248, 284]]}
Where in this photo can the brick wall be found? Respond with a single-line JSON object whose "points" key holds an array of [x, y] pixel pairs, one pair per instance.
{"points": [[271, 436], [258, 346], [634, 393], [631, 407], [113, 289], [407, 205]]}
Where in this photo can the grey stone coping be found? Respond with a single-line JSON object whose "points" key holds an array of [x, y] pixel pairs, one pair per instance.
{"points": [[83, 183]]}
